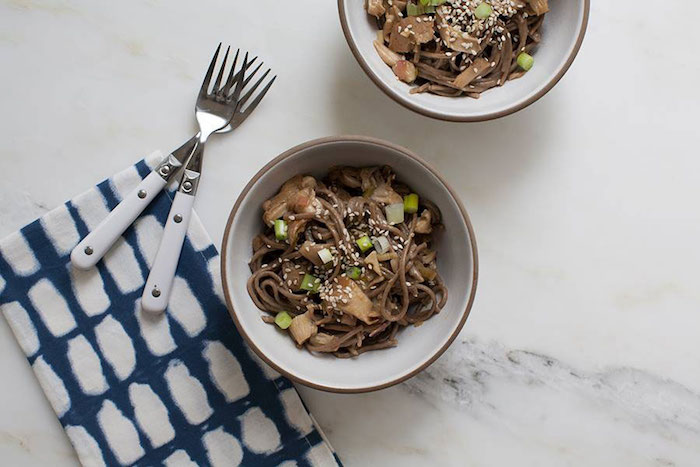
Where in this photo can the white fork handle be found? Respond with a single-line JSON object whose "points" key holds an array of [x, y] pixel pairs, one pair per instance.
{"points": [[156, 293], [98, 242]]}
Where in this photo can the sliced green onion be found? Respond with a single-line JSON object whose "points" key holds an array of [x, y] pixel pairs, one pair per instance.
{"points": [[353, 272], [425, 6], [525, 61], [283, 320], [281, 229], [483, 11], [410, 203], [368, 192], [364, 243], [394, 213], [310, 283], [381, 244], [325, 255]]}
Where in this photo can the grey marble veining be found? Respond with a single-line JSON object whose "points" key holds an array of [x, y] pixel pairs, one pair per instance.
{"points": [[470, 369]]}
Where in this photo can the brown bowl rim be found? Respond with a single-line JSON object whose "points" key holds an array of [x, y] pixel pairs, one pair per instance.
{"points": [[450, 118], [318, 142]]}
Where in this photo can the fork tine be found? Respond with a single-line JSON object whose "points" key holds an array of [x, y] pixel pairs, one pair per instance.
{"points": [[257, 100], [247, 95], [210, 71], [231, 75], [217, 83], [250, 77], [240, 78]]}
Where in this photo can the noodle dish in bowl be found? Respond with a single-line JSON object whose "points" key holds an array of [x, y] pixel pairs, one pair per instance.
{"points": [[337, 260]]}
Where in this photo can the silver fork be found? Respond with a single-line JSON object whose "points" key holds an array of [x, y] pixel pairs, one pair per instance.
{"points": [[98, 242], [213, 113]]}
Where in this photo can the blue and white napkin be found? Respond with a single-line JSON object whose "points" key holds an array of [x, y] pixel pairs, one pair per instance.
{"points": [[128, 387]]}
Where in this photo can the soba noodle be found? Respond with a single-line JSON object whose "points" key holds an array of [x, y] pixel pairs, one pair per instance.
{"points": [[458, 47], [360, 294]]}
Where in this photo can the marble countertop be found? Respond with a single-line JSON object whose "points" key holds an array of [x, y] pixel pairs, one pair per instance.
{"points": [[582, 347]]}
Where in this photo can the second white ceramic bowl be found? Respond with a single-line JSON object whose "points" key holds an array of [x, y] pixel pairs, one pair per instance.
{"points": [[563, 31], [418, 346]]}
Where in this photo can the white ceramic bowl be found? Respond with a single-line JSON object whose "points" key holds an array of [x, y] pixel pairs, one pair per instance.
{"points": [[418, 346], [563, 31]]}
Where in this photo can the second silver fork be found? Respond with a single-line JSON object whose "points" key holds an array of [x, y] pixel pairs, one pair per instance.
{"points": [[100, 240], [213, 114]]}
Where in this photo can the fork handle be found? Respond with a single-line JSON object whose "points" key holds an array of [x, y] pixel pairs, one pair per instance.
{"points": [[98, 242], [156, 293]]}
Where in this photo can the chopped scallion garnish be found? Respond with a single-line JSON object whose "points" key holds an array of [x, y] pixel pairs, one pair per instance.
{"points": [[525, 61], [381, 244], [364, 243], [410, 203], [483, 11], [413, 10], [281, 229], [283, 320], [422, 8], [394, 213], [325, 255], [353, 272], [310, 283]]}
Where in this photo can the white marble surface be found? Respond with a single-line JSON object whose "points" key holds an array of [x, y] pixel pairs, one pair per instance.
{"points": [[582, 347]]}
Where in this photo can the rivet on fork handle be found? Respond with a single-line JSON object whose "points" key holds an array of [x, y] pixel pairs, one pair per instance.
{"points": [[168, 167]]}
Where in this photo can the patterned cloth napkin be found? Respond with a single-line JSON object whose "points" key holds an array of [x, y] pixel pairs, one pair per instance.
{"points": [[132, 388]]}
